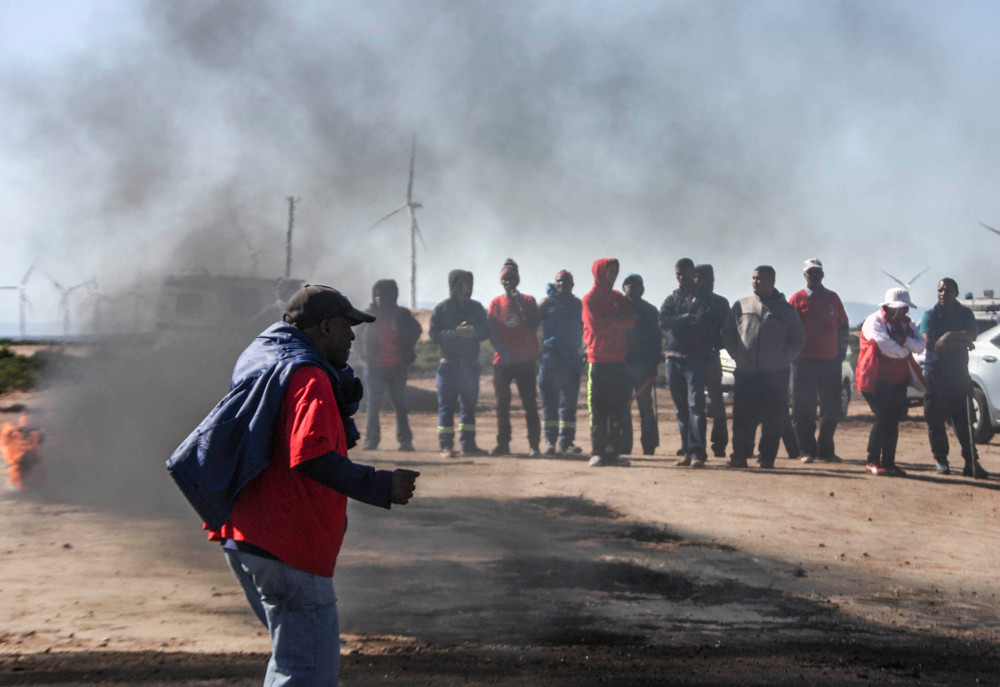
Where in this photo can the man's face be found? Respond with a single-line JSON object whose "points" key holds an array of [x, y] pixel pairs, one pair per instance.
{"points": [[612, 275], [337, 335], [947, 294], [704, 280], [564, 284], [464, 290], [633, 290], [685, 277], [385, 299], [508, 282], [763, 283], [814, 278]]}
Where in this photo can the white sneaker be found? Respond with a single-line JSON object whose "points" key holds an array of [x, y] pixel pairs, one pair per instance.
{"points": [[610, 461], [807, 458], [571, 448]]}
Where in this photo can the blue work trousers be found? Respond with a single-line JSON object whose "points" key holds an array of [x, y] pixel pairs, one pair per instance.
{"points": [[457, 389], [559, 384]]}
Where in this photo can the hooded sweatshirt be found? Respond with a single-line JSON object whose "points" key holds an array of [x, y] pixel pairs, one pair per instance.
{"points": [[607, 315], [448, 315], [562, 325]]}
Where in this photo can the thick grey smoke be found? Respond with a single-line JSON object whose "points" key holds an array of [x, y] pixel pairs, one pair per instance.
{"points": [[554, 132]]}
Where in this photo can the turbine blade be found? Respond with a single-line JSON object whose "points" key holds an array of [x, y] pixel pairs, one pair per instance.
{"points": [[413, 157], [416, 230], [995, 231], [59, 287], [27, 275], [917, 275], [894, 279], [399, 209]]}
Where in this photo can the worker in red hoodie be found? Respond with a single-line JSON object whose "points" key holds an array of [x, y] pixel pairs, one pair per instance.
{"points": [[607, 315]]}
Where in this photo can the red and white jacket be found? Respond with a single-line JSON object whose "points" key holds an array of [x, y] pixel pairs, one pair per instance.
{"points": [[881, 357]]}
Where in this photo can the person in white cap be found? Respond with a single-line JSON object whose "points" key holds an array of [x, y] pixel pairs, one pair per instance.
{"points": [[885, 368], [816, 372]]}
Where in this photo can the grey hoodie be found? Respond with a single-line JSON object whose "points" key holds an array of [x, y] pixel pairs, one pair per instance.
{"points": [[763, 336]]}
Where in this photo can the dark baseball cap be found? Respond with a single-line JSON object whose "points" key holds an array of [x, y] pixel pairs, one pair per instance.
{"points": [[314, 303]]}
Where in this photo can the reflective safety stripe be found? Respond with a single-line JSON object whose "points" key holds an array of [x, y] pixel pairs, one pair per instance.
{"points": [[590, 392], [445, 430], [551, 424], [567, 425], [467, 428]]}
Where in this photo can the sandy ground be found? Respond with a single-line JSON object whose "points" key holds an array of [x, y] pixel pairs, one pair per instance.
{"points": [[537, 572]]}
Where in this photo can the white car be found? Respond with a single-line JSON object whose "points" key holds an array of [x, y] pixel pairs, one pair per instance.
{"points": [[984, 368], [846, 380]]}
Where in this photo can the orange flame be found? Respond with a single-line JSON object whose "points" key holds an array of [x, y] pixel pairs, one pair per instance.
{"points": [[19, 444]]}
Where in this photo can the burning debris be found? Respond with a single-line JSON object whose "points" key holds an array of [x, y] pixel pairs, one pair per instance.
{"points": [[19, 444]]}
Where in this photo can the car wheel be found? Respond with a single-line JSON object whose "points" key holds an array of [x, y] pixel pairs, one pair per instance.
{"points": [[845, 397], [982, 429]]}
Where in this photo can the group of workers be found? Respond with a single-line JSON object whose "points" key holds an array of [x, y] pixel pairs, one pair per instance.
{"points": [[775, 343], [268, 468]]}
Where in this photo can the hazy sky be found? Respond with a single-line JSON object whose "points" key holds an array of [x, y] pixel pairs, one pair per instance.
{"points": [[136, 138]]}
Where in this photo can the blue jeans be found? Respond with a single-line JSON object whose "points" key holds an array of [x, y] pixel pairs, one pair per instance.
{"points": [[381, 381], [300, 612], [457, 387], [686, 378]]}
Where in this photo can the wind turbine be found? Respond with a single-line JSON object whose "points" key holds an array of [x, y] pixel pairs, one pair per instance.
{"points": [[64, 294], [254, 252], [97, 299], [22, 301], [410, 205], [909, 283]]}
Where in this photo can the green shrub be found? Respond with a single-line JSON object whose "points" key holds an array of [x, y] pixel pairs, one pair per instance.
{"points": [[17, 372]]}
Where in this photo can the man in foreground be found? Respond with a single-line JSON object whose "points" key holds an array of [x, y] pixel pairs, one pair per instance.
{"points": [[269, 472], [763, 334], [948, 328]]}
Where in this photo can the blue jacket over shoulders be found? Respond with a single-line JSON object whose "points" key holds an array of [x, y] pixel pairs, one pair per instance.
{"points": [[232, 445]]}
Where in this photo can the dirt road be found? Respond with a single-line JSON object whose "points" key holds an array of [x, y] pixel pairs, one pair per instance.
{"points": [[537, 572]]}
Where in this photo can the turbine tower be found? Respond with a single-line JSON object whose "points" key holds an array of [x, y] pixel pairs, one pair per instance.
{"points": [[906, 285], [410, 205], [64, 294], [23, 304]]}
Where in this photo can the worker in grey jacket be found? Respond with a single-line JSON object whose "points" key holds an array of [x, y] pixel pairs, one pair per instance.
{"points": [[764, 335]]}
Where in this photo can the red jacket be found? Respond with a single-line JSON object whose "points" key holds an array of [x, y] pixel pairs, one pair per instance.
{"points": [[607, 315], [513, 329], [883, 358]]}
